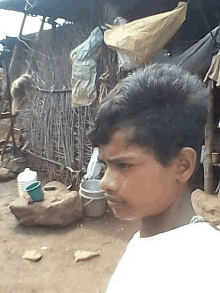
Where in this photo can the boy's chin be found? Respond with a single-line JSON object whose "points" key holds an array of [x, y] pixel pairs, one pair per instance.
{"points": [[124, 217]]}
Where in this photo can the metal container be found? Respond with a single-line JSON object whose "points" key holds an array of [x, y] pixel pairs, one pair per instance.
{"points": [[93, 198]]}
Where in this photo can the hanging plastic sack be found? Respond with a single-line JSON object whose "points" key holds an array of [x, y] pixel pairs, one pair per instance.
{"points": [[94, 167], [139, 40], [84, 82], [84, 69]]}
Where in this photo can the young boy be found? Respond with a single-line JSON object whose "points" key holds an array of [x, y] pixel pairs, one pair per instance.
{"points": [[149, 131]]}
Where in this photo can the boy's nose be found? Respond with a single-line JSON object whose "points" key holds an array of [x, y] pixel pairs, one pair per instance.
{"points": [[109, 181]]}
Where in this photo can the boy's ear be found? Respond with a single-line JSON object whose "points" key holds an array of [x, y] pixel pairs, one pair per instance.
{"points": [[186, 163]]}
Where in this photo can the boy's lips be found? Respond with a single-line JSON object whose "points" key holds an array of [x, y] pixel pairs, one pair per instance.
{"points": [[115, 201]]}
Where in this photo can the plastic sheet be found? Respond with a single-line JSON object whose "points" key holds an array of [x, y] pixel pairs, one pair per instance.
{"points": [[84, 69]]}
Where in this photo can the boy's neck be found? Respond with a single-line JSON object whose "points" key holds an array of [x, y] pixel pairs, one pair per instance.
{"points": [[177, 215]]}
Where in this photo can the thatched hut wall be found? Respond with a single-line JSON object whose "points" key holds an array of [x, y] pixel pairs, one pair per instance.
{"points": [[57, 136], [56, 141]]}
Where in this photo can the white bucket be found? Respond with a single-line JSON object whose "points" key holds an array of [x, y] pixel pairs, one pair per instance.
{"points": [[93, 198]]}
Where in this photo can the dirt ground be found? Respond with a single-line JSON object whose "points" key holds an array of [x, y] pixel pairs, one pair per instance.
{"points": [[57, 271]]}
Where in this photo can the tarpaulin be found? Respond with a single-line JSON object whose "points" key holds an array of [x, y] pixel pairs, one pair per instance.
{"points": [[139, 40], [197, 59]]}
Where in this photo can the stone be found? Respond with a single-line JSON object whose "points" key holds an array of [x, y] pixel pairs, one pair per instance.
{"points": [[6, 174], [44, 248], [32, 255], [50, 187], [62, 212], [207, 206], [85, 255], [15, 164]]}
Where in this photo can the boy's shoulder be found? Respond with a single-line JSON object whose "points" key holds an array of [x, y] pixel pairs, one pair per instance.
{"points": [[196, 233], [184, 259]]}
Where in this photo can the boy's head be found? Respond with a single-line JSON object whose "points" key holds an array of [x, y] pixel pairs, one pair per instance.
{"points": [[160, 111]]}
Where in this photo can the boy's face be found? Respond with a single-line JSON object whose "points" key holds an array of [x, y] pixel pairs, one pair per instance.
{"points": [[136, 184]]}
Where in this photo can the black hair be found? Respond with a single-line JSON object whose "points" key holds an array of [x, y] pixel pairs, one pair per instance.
{"points": [[165, 104]]}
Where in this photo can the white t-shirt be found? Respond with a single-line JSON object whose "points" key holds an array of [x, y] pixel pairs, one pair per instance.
{"points": [[183, 260]]}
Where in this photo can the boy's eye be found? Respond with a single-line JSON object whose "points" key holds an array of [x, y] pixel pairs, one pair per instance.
{"points": [[124, 165]]}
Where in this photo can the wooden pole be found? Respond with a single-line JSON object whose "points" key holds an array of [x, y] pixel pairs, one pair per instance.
{"points": [[16, 49], [36, 41], [8, 96], [207, 162]]}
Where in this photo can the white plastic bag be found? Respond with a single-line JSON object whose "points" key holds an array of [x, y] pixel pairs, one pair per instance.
{"points": [[94, 167]]}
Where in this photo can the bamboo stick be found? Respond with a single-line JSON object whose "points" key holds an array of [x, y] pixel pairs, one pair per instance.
{"points": [[36, 41], [5, 115], [54, 91], [207, 162], [53, 162]]}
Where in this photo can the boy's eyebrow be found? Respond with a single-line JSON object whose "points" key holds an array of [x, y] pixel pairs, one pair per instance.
{"points": [[118, 158]]}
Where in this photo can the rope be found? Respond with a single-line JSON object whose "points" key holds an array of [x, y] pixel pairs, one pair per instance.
{"points": [[53, 91], [35, 51], [29, 6], [28, 3], [217, 44], [184, 42]]}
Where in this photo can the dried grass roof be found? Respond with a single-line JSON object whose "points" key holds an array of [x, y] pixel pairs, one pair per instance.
{"points": [[66, 9]]}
